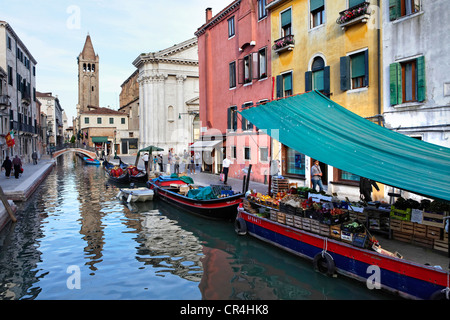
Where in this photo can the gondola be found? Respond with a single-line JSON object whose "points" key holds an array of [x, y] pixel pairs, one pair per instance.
{"points": [[135, 174], [109, 169], [175, 190]]}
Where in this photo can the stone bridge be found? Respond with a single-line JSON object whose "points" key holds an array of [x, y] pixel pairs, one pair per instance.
{"points": [[88, 153]]}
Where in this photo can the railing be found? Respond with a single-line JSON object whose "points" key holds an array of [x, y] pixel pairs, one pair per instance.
{"points": [[284, 43], [4, 100], [350, 14], [74, 145]]}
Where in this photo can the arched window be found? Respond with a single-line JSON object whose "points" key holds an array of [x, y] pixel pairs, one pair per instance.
{"points": [[84, 67], [317, 69], [93, 67]]}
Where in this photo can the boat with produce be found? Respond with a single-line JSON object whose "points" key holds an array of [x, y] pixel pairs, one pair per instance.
{"points": [[216, 202], [142, 194], [338, 243], [117, 173]]}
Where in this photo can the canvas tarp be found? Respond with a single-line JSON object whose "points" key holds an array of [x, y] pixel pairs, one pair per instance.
{"points": [[320, 128]]}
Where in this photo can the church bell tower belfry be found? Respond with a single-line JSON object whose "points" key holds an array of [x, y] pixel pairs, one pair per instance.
{"points": [[88, 77]]}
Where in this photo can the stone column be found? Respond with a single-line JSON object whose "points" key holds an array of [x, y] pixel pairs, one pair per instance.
{"points": [[182, 127]]}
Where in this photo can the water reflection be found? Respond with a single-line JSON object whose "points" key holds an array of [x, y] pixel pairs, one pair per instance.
{"points": [[142, 251]]}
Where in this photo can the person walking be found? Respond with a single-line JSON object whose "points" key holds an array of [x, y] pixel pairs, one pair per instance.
{"points": [[34, 156], [197, 161], [191, 164], [145, 159], [365, 188], [155, 161], [7, 164], [17, 163], [225, 167], [176, 167], [316, 176]]}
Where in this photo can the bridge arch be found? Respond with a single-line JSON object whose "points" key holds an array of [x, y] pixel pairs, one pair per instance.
{"points": [[90, 154]]}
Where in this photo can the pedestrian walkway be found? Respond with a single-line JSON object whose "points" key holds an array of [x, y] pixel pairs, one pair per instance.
{"points": [[33, 174]]}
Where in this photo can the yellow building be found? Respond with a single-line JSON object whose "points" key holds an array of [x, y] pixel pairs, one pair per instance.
{"points": [[331, 46]]}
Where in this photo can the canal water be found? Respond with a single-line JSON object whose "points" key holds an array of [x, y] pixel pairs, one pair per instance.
{"points": [[75, 240]]}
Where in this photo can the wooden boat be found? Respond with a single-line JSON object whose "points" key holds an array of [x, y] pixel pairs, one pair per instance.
{"points": [[136, 194], [88, 160], [176, 192], [109, 169], [378, 269], [136, 174]]}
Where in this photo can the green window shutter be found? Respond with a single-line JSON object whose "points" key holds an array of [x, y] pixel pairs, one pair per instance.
{"points": [[421, 80], [279, 86], [394, 9], [229, 118], [326, 80], [352, 3], [318, 80], [366, 66], [316, 4], [395, 83], [286, 18], [287, 81], [244, 124], [308, 81], [358, 67], [345, 73]]}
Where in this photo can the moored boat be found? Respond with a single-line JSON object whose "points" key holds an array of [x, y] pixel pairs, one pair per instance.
{"points": [[209, 202], [377, 267], [88, 160], [136, 194], [116, 173]]}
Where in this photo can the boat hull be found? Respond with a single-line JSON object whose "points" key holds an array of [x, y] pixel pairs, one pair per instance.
{"points": [[401, 277], [124, 178], [137, 195], [215, 209], [91, 161]]}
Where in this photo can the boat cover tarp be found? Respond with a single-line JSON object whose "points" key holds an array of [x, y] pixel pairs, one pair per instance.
{"points": [[205, 193], [322, 129]]}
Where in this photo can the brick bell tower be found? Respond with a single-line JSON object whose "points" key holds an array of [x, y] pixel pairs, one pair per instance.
{"points": [[88, 77]]}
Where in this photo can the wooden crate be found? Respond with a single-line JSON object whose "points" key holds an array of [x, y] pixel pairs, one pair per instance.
{"points": [[315, 226], [281, 217], [335, 232], [306, 224], [433, 219], [289, 219], [396, 225], [407, 227], [298, 222], [433, 233], [441, 245], [420, 230], [346, 236], [324, 230], [400, 236], [423, 242], [273, 215]]}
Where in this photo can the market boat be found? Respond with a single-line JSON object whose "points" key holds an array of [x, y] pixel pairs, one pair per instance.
{"points": [[136, 194], [358, 256], [88, 160], [213, 202], [116, 173]]}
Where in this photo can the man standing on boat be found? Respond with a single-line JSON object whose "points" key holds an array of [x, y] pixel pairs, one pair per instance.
{"points": [[225, 167], [316, 176]]}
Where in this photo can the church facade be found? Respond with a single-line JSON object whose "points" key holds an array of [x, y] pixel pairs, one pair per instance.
{"points": [[168, 97]]}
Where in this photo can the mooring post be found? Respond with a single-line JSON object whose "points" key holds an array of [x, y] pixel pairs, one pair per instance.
{"points": [[7, 206]]}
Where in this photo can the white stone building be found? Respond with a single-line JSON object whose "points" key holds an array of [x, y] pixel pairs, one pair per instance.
{"points": [[416, 69], [168, 97], [52, 108], [20, 68]]}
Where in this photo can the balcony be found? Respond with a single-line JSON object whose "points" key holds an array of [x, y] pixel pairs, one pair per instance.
{"points": [[4, 102], [354, 15], [286, 43]]}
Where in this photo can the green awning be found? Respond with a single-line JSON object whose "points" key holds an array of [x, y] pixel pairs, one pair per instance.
{"points": [[320, 128], [99, 139], [148, 149]]}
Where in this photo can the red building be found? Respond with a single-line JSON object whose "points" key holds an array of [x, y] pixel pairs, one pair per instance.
{"points": [[234, 49]]}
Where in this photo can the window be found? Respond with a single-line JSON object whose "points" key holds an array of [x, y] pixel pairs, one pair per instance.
{"points": [[355, 71], [246, 125], [231, 30], [99, 120], [262, 12], [295, 162], [122, 120], [232, 71], [317, 74], [10, 75], [345, 175], [401, 8], [232, 118], [9, 42], [262, 63], [407, 81], [86, 120], [317, 8], [284, 85], [247, 153], [248, 69], [111, 120], [286, 26], [264, 154], [233, 152]]}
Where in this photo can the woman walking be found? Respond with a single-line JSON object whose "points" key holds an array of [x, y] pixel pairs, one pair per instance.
{"points": [[7, 164], [17, 166]]}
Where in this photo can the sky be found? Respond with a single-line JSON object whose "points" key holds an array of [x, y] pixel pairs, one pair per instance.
{"points": [[54, 31]]}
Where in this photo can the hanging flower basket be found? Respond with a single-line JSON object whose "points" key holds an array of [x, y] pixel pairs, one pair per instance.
{"points": [[353, 13]]}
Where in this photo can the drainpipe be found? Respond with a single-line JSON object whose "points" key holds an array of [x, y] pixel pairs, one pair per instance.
{"points": [[379, 63]]}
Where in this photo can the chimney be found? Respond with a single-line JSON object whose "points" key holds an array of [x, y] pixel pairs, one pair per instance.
{"points": [[208, 14]]}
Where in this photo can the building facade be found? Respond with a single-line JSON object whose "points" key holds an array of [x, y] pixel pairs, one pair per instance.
{"points": [[333, 47], [51, 107], [416, 80], [168, 94], [235, 73], [20, 67]]}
